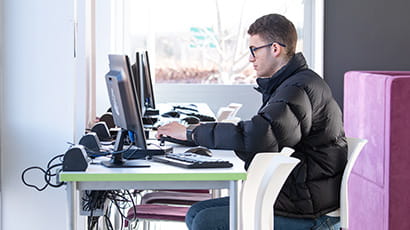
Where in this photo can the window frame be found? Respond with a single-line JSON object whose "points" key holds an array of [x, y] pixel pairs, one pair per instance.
{"points": [[313, 36]]}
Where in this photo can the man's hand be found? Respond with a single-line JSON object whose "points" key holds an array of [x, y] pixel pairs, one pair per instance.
{"points": [[173, 129]]}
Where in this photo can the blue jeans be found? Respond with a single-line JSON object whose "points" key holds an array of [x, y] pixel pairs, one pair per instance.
{"points": [[214, 215]]}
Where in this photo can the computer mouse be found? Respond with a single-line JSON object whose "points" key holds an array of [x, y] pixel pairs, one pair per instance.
{"points": [[171, 114], [200, 151], [191, 120]]}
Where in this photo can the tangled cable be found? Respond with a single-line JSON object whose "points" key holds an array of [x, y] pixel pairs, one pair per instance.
{"points": [[50, 172]]}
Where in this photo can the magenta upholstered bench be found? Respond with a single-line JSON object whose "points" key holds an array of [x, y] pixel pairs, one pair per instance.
{"points": [[377, 108]]}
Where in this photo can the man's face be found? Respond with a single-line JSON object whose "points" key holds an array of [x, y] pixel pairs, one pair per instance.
{"points": [[264, 61]]}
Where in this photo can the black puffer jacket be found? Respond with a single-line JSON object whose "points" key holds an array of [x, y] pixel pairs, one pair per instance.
{"points": [[298, 111]]}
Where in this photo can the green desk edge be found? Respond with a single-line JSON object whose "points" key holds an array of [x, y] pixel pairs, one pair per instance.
{"points": [[76, 176]]}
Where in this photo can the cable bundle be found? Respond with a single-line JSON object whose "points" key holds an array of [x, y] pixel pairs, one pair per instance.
{"points": [[94, 200], [50, 173]]}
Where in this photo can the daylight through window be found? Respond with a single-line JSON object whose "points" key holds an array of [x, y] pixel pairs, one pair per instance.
{"points": [[202, 42]]}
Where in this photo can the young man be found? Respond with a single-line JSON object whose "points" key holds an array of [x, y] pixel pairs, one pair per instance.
{"points": [[298, 111]]}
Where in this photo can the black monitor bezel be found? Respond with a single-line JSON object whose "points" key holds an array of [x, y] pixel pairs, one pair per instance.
{"points": [[136, 79], [148, 89], [125, 108]]}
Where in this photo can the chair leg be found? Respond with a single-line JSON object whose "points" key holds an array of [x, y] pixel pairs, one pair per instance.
{"points": [[146, 225], [131, 226]]}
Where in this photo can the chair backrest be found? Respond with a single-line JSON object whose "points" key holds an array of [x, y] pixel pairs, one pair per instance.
{"points": [[355, 146], [265, 177], [228, 114], [236, 107], [224, 113]]}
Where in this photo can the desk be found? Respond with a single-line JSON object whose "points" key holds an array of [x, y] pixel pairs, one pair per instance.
{"points": [[183, 110], [202, 108], [158, 176]]}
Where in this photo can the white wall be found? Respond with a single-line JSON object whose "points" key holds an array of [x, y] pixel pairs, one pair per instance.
{"points": [[38, 108], [1, 94]]}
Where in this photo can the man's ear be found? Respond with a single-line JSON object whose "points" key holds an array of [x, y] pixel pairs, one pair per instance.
{"points": [[276, 49]]}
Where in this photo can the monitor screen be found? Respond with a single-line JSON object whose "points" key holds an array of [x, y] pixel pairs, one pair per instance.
{"points": [[125, 108], [142, 85], [148, 91]]}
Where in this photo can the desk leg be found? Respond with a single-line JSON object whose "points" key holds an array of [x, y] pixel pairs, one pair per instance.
{"points": [[233, 205], [72, 205]]}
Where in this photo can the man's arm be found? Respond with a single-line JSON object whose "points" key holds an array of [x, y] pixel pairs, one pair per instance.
{"points": [[282, 122]]}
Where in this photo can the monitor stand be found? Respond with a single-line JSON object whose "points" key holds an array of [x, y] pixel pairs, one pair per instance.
{"points": [[121, 163], [138, 153], [117, 160]]}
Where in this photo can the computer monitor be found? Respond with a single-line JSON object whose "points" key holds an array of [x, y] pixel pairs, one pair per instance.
{"points": [[125, 110], [148, 91], [136, 79], [142, 84]]}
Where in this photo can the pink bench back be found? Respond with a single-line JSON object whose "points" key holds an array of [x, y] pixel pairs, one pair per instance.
{"points": [[377, 108]]}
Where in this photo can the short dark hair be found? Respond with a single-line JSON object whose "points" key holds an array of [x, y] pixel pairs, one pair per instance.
{"points": [[276, 27]]}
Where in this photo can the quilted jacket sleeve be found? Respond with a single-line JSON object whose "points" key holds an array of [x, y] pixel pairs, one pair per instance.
{"points": [[280, 122]]}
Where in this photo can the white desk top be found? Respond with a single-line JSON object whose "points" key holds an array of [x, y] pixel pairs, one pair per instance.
{"points": [[162, 172]]}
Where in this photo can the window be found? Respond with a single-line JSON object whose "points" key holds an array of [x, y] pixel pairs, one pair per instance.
{"points": [[182, 38], [200, 41]]}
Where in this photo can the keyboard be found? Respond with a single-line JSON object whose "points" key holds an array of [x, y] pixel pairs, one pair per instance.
{"points": [[180, 107], [177, 141], [201, 117], [190, 160], [177, 113]]}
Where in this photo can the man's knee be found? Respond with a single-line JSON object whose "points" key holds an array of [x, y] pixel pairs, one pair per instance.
{"points": [[202, 220], [191, 214]]}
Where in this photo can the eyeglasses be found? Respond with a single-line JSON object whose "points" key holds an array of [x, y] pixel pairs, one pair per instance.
{"points": [[253, 49]]}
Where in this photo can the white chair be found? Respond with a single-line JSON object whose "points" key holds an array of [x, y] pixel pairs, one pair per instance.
{"points": [[224, 113], [228, 114], [236, 107], [355, 146], [266, 175]]}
